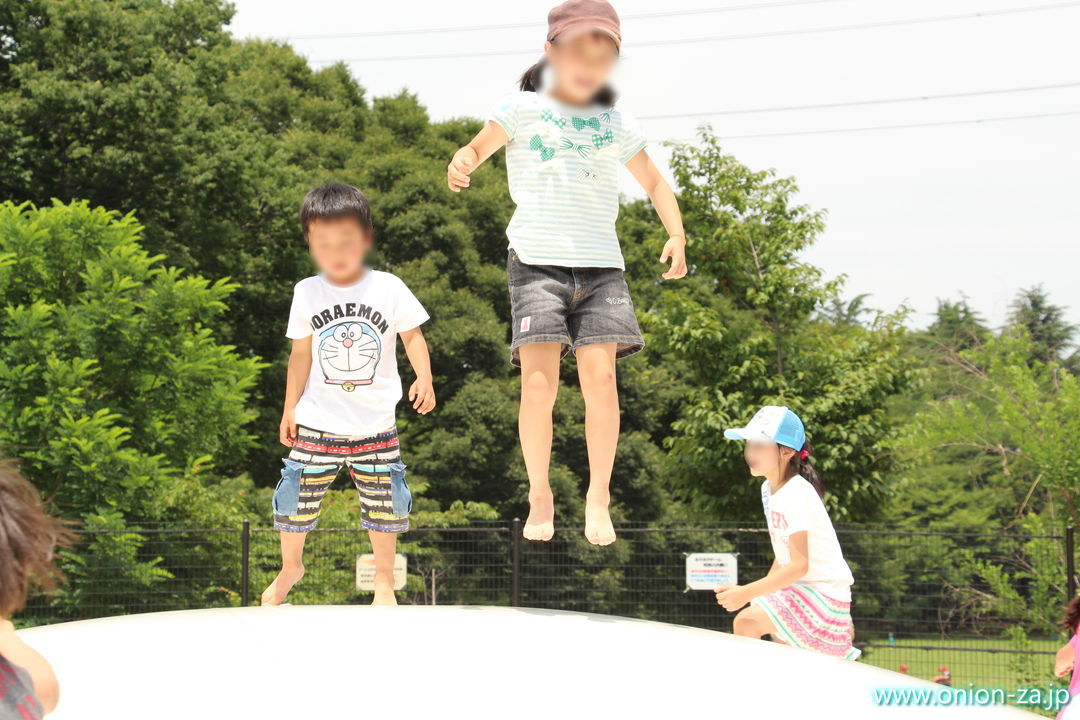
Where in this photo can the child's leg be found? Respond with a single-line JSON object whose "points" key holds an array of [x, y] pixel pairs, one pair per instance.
{"points": [[292, 568], [316, 477], [384, 547], [753, 622], [539, 386], [596, 371]]}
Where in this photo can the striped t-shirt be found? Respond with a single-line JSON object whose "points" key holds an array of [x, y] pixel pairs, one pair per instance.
{"points": [[562, 163]]}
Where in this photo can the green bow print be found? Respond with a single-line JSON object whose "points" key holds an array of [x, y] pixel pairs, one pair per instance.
{"points": [[568, 144], [600, 140], [537, 143], [557, 120], [605, 116], [582, 123]]}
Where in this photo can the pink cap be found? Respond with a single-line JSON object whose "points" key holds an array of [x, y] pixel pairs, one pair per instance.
{"points": [[577, 16]]}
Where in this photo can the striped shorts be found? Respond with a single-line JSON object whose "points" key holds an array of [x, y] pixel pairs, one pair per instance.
{"points": [[320, 456]]}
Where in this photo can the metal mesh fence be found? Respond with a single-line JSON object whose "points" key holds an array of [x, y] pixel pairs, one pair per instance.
{"points": [[924, 600]]}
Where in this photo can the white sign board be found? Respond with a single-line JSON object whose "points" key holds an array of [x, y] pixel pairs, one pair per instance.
{"points": [[365, 572], [708, 571]]}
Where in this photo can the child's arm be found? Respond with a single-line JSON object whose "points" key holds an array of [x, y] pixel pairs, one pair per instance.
{"points": [[734, 597], [46, 686], [663, 200], [470, 157], [299, 368], [1064, 660], [422, 393]]}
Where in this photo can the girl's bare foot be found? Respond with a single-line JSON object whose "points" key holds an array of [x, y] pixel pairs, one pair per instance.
{"points": [[540, 524], [278, 590], [598, 527], [384, 591]]}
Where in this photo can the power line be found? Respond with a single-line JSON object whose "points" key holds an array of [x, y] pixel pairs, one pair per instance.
{"points": [[742, 36], [853, 103], [533, 24], [941, 123]]}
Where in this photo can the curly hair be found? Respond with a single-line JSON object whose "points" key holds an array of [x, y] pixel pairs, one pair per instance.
{"points": [[28, 537], [1072, 616]]}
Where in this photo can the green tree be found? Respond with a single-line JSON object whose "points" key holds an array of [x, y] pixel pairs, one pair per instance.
{"points": [[851, 312], [115, 392], [748, 335], [1045, 323], [1017, 420], [957, 326]]}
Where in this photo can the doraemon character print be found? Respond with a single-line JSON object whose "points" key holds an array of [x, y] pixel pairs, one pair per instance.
{"points": [[348, 354], [353, 385]]}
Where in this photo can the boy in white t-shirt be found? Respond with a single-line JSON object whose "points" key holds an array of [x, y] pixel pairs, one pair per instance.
{"points": [[343, 388], [805, 600]]}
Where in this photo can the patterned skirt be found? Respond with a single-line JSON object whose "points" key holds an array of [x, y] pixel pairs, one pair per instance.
{"points": [[805, 618]]}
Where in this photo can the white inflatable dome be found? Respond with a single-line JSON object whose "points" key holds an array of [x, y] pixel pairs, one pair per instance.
{"points": [[312, 662]]}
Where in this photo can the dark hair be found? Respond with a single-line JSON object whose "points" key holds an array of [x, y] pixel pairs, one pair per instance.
{"points": [[28, 537], [532, 79], [798, 465], [332, 201], [1072, 615]]}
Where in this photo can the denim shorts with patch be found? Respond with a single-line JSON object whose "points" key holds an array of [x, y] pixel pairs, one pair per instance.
{"points": [[572, 306]]}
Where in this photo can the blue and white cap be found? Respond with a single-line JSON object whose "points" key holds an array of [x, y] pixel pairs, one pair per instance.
{"points": [[775, 423]]}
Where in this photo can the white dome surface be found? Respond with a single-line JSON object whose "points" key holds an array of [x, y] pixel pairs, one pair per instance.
{"points": [[309, 662]]}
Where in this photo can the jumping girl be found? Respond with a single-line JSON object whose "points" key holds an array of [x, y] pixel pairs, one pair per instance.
{"points": [[805, 600], [1065, 661], [564, 143]]}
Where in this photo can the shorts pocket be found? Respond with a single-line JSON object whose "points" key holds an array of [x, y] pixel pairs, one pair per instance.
{"points": [[400, 495], [287, 493]]}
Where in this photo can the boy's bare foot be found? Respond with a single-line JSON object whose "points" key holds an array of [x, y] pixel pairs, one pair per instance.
{"points": [[540, 524], [278, 590], [384, 592], [598, 527]]}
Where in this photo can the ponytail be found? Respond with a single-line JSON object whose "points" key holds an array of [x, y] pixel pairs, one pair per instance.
{"points": [[533, 78], [800, 464]]}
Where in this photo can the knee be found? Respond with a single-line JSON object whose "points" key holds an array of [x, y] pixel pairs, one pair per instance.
{"points": [[746, 626], [539, 390], [598, 382]]}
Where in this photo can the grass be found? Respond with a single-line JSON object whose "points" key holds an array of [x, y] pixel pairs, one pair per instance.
{"points": [[971, 661]]}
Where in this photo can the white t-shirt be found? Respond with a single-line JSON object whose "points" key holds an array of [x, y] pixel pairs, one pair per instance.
{"points": [[796, 507], [354, 386], [562, 163]]}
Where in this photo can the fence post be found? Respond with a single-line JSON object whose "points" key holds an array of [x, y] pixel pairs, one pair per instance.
{"points": [[515, 563], [245, 556], [1070, 561]]}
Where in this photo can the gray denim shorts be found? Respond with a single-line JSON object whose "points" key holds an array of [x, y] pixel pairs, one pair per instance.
{"points": [[572, 306]]}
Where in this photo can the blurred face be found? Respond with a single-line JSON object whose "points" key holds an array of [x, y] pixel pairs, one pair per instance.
{"points": [[582, 65], [338, 247], [766, 458]]}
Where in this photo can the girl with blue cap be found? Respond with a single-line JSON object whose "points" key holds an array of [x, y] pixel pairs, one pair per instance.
{"points": [[805, 600]]}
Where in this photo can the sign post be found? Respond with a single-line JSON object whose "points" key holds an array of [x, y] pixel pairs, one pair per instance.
{"points": [[365, 572], [708, 571]]}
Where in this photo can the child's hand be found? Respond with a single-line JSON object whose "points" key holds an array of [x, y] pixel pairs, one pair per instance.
{"points": [[674, 250], [287, 429], [731, 597], [459, 169], [422, 396], [6, 626]]}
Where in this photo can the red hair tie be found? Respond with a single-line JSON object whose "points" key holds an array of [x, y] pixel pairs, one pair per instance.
{"points": [[803, 454]]}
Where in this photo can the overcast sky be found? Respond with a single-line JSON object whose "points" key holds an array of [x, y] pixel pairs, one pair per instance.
{"points": [[914, 214]]}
